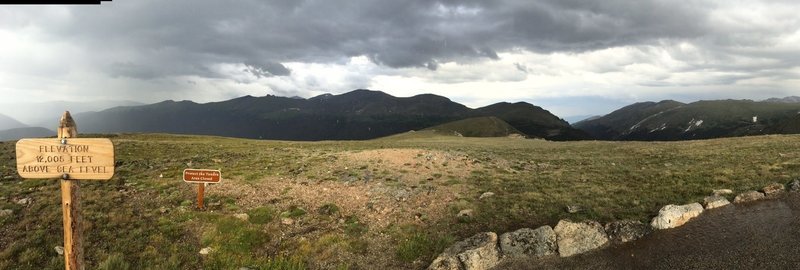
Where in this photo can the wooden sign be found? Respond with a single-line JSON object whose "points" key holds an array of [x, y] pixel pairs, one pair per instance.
{"points": [[202, 176], [70, 158]]}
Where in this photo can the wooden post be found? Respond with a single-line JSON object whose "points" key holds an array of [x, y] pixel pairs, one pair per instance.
{"points": [[201, 188], [71, 204]]}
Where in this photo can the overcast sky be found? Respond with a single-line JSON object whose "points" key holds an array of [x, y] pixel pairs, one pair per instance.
{"points": [[571, 57]]}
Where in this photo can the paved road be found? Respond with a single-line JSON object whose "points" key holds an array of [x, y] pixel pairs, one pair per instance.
{"points": [[758, 235]]}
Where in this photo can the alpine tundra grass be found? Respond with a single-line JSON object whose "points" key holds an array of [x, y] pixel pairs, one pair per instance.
{"points": [[388, 203]]}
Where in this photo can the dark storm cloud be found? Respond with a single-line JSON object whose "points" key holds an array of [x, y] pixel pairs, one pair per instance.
{"points": [[147, 38]]}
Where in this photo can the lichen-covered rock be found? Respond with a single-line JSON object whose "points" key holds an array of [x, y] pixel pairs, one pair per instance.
{"points": [[671, 216], [748, 196], [528, 242], [465, 213], [794, 186], [627, 230], [720, 192], [579, 237], [773, 189], [712, 202], [474, 253]]}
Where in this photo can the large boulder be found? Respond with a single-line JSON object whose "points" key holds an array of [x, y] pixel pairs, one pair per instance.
{"points": [[528, 242], [712, 202], [671, 216], [748, 196], [773, 189], [627, 230], [579, 237], [474, 253]]}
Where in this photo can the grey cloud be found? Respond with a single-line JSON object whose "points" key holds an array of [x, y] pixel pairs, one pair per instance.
{"points": [[149, 38]]}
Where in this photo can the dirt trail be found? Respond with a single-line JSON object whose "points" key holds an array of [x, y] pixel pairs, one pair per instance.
{"points": [[759, 235]]}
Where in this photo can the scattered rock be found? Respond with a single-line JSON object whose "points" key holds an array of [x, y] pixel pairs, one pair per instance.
{"points": [[671, 216], [215, 204], [466, 213], [216, 160], [579, 237], [572, 209], [24, 201], [287, 221], [206, 251], [59, 250], [773, 189], [794, 185], [528, 242], [486, 195], [161, 175], [715, 201], [474, 253], [720, 192], [242, 216], [6, 212], [748, 196], [627, 230], [163, 209]]}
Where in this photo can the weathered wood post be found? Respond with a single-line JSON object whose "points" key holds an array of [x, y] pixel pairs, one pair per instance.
{"points": [[70, 159], [201, 188], [71, 204]]}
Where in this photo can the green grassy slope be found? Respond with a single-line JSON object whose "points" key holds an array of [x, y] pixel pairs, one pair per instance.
{"points": [[389, 203], [477, 127]]}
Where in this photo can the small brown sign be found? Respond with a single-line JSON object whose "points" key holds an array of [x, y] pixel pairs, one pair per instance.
{"points": [[78, 159], [202, 176]]}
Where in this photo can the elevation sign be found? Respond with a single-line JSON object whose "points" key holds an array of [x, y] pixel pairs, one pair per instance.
{"points": [[79, 159]]}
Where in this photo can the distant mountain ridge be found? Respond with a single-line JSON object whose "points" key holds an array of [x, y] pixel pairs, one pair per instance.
{"points": [[356, 115], [7, 122], [671, 120], [47, 114], [791, 99], [25, 132]]}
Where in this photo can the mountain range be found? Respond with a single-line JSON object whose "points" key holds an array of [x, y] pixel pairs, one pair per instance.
{"points": [[366, 114], [671, 120], [357, 115]]}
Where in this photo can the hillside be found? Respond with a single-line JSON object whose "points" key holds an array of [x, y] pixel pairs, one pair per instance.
{"points": [[477, 127], [357, 115], [25, 132], [669, 120], [390, 203], [618, 123], [7, 122], [533, 121]]}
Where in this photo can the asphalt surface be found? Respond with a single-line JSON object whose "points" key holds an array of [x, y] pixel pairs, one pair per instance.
{"points": [[758, 235]]}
